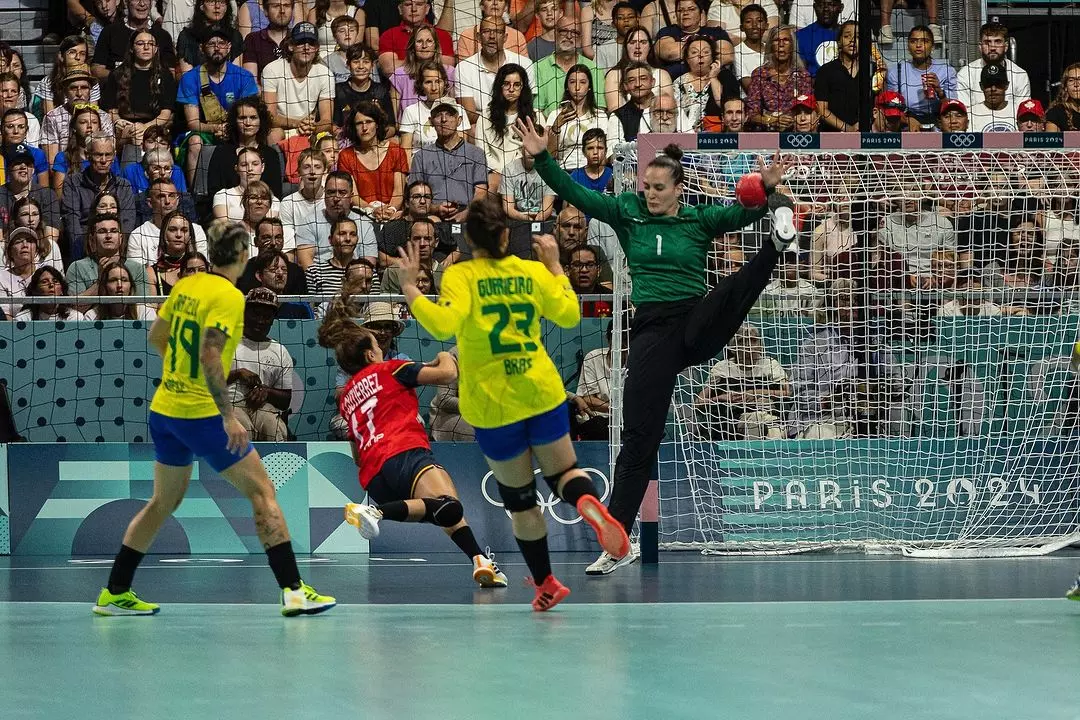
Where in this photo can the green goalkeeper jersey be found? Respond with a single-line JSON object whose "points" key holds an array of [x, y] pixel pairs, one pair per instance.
{"points": [[666, 254]]}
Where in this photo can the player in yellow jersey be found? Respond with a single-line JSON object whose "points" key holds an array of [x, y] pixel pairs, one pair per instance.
{"points": [[510, 390], [196, 334]]}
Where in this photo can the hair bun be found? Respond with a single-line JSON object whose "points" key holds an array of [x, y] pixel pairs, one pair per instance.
{"points": [[674, 152]]}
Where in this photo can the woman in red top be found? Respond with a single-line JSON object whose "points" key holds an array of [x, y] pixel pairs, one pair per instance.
{"points": [[378, 166], [389, 441]]}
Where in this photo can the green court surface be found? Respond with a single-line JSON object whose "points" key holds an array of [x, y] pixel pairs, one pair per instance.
{"points": [[856, 660]]}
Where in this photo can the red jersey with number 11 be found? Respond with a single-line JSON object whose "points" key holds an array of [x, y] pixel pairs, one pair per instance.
{"points": [[379, 404]]}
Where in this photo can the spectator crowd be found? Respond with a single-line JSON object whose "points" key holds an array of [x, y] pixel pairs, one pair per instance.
{"points": [[335, 131]]}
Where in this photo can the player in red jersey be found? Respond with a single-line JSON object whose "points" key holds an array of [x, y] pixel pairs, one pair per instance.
{"points": [[389, 441]]}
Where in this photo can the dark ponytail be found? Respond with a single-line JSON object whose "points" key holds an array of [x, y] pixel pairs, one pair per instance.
{"points": [[486, 224], [349, 341], [670, 158]]}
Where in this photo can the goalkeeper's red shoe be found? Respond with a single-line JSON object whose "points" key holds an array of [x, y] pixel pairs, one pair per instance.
{"points": [[548, 593], [609, 531]]}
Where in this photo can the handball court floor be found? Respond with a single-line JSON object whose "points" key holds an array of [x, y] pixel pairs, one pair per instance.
{"points": [[815, 636]]}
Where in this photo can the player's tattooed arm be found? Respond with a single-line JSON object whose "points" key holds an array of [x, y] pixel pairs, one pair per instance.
{"points": [[213, 345]]}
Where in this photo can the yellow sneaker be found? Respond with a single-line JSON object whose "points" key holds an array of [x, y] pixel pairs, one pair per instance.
{"points": [[125, 603], [305, 601]]}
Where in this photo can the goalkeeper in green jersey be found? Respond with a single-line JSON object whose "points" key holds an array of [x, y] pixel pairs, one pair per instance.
{"points": [[677, 323]]}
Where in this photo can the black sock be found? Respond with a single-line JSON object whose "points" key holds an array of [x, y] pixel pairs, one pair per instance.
{"points": [[123, 569], [283, 563], [463, 537], [576, 488], [536, 557], [397, 511]]}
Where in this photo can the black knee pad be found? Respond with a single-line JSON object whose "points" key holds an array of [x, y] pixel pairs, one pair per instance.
{"points": [[553, 480], [444, 511], [518, 499]]}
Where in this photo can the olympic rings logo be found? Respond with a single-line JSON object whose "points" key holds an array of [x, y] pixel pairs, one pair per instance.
{"points": [[549, 503], [799, 140], [960, 140]]}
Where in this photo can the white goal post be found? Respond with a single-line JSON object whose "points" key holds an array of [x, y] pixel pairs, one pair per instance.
{"points": [[905, 383]]}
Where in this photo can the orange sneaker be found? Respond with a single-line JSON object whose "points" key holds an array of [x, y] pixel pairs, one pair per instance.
{"points": [[548, 593], [609, 531]]}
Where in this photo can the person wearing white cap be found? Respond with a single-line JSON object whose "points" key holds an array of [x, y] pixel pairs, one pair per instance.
{"points": [[299, 90]]}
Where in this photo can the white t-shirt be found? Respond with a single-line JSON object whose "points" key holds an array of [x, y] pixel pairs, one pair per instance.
{"points": [[231, 197], [12, 285], [269, 360], [569, 154], [727, 16], [144, 241], [499, 151], [73, 316], [747, 60], [983, 119], [475, 81], [416, 119], [142, 312], [762, 374], [969, 92], [595, 378], [298, 98]]}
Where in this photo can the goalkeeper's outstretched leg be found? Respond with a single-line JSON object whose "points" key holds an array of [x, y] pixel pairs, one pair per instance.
{"points": [[665, 339]]}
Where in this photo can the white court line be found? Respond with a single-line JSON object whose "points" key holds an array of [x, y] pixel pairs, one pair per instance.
{"points": [[621, 604], [257, 562]]}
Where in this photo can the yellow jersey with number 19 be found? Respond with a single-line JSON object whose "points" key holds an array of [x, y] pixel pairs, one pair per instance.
{"points": [[494, 308], [197, 303]]}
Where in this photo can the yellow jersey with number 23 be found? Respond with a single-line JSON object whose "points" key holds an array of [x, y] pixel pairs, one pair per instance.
{"points": [[197, 303], [494, 308]]}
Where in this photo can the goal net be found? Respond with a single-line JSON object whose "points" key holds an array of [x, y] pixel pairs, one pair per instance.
{"points": [[904, 384]]}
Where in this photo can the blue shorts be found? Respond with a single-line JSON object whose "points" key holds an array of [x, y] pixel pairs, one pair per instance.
{"points": [[178, 440], [509, 441]]}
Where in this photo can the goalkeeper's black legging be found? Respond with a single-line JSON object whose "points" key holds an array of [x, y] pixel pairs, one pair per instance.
{"points": [[665, 339]]}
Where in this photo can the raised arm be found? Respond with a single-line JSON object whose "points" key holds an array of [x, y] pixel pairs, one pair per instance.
{"points": [[721, 219], [561, 304], [603, 207], [442, 372], [443, 319]]}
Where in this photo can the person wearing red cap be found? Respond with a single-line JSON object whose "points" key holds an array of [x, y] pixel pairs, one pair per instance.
{"points": [[891, 114], [1030, 116], [806, 114], [953, 116]]}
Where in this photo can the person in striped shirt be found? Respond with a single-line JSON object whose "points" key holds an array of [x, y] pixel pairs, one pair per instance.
{"points": [[326, 278]]}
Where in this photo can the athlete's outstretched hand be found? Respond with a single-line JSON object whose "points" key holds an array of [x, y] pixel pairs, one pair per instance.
{"points": [[409, 262], [546, 249], [531, 139], [238, 436], [773, 174]]}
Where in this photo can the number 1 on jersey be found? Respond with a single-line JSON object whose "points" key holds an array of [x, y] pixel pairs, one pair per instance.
{"points": [[659, 244]]}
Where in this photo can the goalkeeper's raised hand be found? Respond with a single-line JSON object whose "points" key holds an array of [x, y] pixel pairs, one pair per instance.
{"points": [[531, 138], [772, 174]]}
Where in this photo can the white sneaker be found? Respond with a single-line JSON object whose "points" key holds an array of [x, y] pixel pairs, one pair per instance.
{"points": [[607, 563], [487, 573], [364, 518], [937, 32], [783, 220], [885, 35]]}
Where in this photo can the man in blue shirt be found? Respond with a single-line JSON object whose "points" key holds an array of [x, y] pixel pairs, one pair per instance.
{"points": [[817, 42], [925, 82], [207, 92]]}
